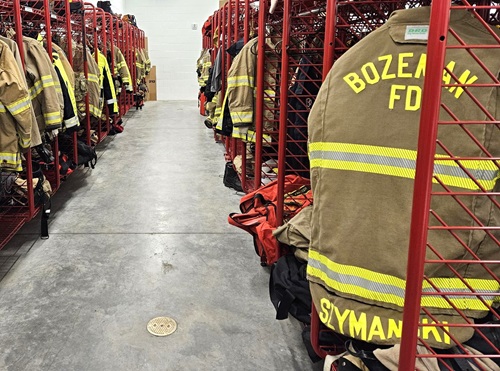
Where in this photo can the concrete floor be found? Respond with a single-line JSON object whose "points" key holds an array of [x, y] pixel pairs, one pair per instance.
{"points": [[143, 235]]}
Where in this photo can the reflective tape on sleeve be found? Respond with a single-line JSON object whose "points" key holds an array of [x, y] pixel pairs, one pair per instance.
{"points": [[19, 106], [242, 118], [52, 118], [237, 81], [93, 78], [71, 122]]}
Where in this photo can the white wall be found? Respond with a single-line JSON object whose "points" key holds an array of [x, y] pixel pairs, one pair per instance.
{"points": [[174, 46]]}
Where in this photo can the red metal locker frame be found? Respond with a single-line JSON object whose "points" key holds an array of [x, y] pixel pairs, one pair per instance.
{"points": [[62, 25], [61, 20], [346, 23], [39, 16], [304, 23], [12, 218], [423, 193]]}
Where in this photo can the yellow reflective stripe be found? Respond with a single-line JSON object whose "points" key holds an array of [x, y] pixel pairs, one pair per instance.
{"points": [[47, 80], [95, 111], [52, 118], [218, 123], [93, 78], [235, 81], [270, 93], [389, 289], [240, 134], [266, 138], [71, 122], [19, 106], [400, 163], [9, 157], [24, 142], [13, 159], [126, 80], [243, 117]]}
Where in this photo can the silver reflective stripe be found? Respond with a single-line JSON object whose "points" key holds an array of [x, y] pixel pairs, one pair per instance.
{"points": [[357, 281], [402, 163], [454, 297], [71, 122], [20, 107]]}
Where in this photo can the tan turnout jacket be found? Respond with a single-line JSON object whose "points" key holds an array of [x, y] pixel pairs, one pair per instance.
{"points": [[363, 131], [43, 82], [15, 111]]}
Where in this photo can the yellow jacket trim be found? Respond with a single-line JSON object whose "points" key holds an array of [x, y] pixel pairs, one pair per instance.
{"points": [[39, 85], [52, 118], [93, 78], [12, 159], [239, 134], [385, 288], [239, 118], [95, 111], [236, 81], [18, 106], [251, 134], [401, 163]]}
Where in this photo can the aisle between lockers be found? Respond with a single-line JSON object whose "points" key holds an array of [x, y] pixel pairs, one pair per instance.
{"points": [[143, 235]]}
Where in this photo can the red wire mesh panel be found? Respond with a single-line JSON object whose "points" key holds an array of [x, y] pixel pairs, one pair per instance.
{"points": [[301, 76], [17, 201], [455, 222], [347, 22], [262, 141]]}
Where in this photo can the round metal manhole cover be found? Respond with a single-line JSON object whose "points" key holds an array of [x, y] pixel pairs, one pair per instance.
{"points": [[162, 326]]}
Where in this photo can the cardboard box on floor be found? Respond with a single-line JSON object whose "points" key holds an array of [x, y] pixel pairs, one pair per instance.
{"points": [[151, 83]]}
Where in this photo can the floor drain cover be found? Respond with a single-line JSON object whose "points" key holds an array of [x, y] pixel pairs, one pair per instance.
{"points": [[162, 326]]}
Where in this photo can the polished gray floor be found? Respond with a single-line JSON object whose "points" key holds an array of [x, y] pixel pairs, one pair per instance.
{"points": [[143, 235]]}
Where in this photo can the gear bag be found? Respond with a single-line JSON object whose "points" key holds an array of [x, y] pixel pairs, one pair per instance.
{"points": [[289, 289], [258, 214]]}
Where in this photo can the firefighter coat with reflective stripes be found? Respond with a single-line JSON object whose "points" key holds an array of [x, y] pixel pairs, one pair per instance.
{"points": [[203, 65], [35, 133], [140, 61], [241, 90], [70, 113], [107, 85], [44, 87], [65, 62], [147, 62], [15, 114], [93, 81], [363, 131], [121, 69]]}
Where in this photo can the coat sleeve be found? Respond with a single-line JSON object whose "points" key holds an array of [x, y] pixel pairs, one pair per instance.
{"points": [[15, 98], [46, 88]]}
